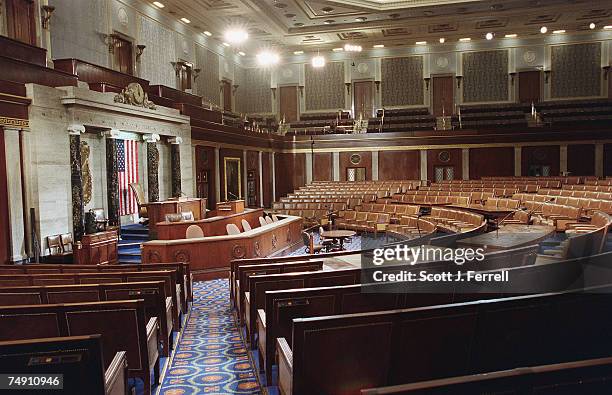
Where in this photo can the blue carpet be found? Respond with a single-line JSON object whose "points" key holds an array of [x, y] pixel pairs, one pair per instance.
{"points": [[211, 356], [132, 236]]}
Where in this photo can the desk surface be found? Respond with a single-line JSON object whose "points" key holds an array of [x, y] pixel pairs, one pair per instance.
{"points": [[336, 234], [510, 236]]}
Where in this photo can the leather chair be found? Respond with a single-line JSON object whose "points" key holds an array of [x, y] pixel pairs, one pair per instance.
{"points": [[245, 225], [140, 199], [193, 232], [232, 229], [100, 219], [311, 246], [269, 220], [262, 221], [67, 242]]}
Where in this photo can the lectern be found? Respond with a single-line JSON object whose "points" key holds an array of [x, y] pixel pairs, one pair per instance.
{"points": [[230, 207]]}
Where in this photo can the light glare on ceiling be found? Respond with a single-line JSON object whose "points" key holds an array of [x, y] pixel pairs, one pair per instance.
{"points": [[241, 53], [185, 20], [206, 32], [158, 4], [489, 36], [592, 25], [465, 39], [226, 44], [421, 42], [379, 46], [560, 31], [236, 36], [352, 48], [513, 35], [609, 27], [442, 40], [298, 52], [318, 61], [267, 58], [338, 49]]}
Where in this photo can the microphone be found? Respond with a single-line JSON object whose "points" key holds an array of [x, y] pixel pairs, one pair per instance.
{"points": [[232, 195], [418, 217]]}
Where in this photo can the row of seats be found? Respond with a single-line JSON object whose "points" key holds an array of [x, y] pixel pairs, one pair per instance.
{"points": [[411, 227], [529, 188], [501, 192], [311, 217], [362, 221], [593, 188], [511, 204], [302, 205], [455, 220], [427, 199], [582, 203], [557, 215], [233, 229], [576, 193], [542, 182], [395, 210], [564, 180], [606, 182]]}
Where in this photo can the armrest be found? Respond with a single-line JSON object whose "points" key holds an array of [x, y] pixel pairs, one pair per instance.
{"points": [[285, 366], [115, 376], [261, 316], [153, 343], [284, 352]]}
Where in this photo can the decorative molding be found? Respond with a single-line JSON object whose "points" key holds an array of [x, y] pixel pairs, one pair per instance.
{"points": [[14, 122], [134, 95], [75, 129], [152, 138], [175, 140]]}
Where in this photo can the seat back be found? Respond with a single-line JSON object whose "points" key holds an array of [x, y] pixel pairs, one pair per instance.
{"points": [[245, 225], [274, 218], [269, 220], [66, 239], [99, 214], [194, 231], [262, 221], [232, 229], [139, 193], [54, 244], [187, 216]]}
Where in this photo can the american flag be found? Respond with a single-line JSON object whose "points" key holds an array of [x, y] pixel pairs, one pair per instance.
{"points": [[127, 158]]}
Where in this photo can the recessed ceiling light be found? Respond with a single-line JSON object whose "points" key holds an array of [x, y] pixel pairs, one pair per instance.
{"points": [[318, 61], [185, 20], [241, 53], [158, 4], [592, 25], [609, 27], [465, 39], [379, 46], [421, 42], [226, 44], [236, 36], [561, 31], [329, 21], [352, 48], [267, 58], [442, 39], [361, 19], [206, 32], [543, 29], [298, 52], [513, 35], [489, 36], [338, 49]]}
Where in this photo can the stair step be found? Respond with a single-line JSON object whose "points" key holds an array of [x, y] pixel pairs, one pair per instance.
{"points": [[122, 253], [129, 243], [133, 237], [129, 261]]}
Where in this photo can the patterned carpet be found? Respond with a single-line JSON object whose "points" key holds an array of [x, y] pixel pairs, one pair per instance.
{"points": [[211, 357]]}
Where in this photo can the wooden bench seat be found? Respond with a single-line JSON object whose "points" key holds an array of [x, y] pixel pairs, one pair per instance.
{"points": [[78, 358], [153, 293], [122, 324]]}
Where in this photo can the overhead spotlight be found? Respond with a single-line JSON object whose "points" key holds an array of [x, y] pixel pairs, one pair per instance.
{"points": [[267, 58], [513, 35], [561, 31], [352, 48], [421, 42], [206, 32], [226, 44], [185, 20], [465, 39], [158, 4], [442, 40], [361, 19], [338, 49], [609, 27], [236, 36], [241, 53], [489, 36], [543, 29], [298, 52], [379, 46], [592, 25], [318, 61]]}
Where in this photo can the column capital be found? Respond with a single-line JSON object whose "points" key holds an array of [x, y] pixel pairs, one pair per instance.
{"points": [[111, 133], [75, 129], [151, 138], [175, 140]]}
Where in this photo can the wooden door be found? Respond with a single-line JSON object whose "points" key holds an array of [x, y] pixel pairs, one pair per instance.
{"points": [[5, 241], [288, 107], [185, 77], [363, 99], [530, 85], [443, 96], [227, 95], [123, 56], [21, 20]]}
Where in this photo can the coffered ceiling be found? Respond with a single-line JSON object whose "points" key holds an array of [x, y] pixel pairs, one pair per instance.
{"points": [[323, 24]]}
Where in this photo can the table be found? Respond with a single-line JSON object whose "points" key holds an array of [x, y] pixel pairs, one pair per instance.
{"points": [[157, 210], [339, 235], [510, 236]]}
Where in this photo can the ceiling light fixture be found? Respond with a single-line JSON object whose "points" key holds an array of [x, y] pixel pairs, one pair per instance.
{"points": [[158, 4], [361, 19], [338, 49], [513, 35], [226, 44], [489, 36], [267, 58], [561, 31], [206, 32], [236, 36], [543, 29], [352, 48], [185, 20], [241, 53], [421, 42], [465, 39], [592, 25], [609, 27], [379, 46], [298, 52], [318, 61], [442, 40]]}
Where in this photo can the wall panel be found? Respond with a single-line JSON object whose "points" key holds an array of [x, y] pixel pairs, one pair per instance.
{"points": [[207, 83], [608, 160], [576, 70], [253, 167], [488, 162], [205, 170], [322, 167], [485, 76], [402, 81], [546, 155], [156, 61], [435, 159], [365, 161], [230, 153], [266, 164], [253, 94], [399, 165], [324, 87], [580, 160]]}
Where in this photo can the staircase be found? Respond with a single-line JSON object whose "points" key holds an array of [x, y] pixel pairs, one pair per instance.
{"points": [[132, 236]]}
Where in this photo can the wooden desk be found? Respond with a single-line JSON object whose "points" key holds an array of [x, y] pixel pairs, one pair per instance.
{"points": [[97, 249], [157, 211], [510, 236], [339, 235], [231, 207], [491, 213]]}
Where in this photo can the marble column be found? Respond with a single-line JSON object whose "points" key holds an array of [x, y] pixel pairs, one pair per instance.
{"points": [[152, 166], [562, 159], [76, 181], [112, 178], [175, 162], [273, 177], [15, 196], [260, 168], [374, 165], [309, 165], [465, 162], [423, 155], [518, 153], [217, 175], [336, 166]]}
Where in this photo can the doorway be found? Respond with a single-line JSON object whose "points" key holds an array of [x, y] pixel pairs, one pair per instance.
{"points": [[444, 173], [288, 108], [21, 20], [233, 178], [363, 104], [123, 55], [227, 95], [356, 174], [530, 86], [443, 95]]}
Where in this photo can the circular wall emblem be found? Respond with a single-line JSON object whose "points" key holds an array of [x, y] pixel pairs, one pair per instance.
{"points": [[363, 68], [442, 62], [355, 159], [529, 57], [444, 156], [539, 154], [182, 256], [123, 17], [287, 73], [238, 252]]}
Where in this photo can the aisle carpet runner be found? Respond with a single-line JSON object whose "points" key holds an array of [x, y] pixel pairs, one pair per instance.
{"points": [[211, 357]]}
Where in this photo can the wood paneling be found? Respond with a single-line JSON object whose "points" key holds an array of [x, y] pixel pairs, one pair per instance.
{"points": [[290, 172], [89, 72], [24, 72], [230, 153], [546, 155], [433, 160], [345, 163], [253, 168], [580, 160], [21, 20], [607, 160], [399, 165], [487, 162], [22, 51], [213, 226], [123, 56], [266, 164], [288, 103], [363, 103], [530, 83], [443, 96], [5, 230], [299, 170], [182, 97], [205, 174], [322, 167]]}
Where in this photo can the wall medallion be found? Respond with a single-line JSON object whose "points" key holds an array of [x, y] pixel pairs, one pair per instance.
{"points": [[154, 257], [529, 57], [363, 68], [287, 72], [86, 173], [355, 159], [442, 62], [444, 156], [123, 17], [181, 256], [238, 252]]}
